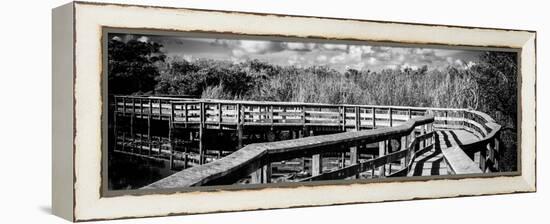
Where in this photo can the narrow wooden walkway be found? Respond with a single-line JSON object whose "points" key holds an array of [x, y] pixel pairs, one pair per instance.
{"points": [[432, 162]]}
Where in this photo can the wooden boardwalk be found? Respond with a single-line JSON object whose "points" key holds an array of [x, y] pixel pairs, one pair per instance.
{"points": [[253, 139], [432, 162]]}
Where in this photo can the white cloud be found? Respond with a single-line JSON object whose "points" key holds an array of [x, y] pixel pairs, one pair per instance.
{"points": [[322, 58], [332, 47], [372, 61], [299, 46], [338, 58], [259, 47]]}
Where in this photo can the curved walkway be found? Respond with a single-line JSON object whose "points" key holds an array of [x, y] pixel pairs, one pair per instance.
{"points": [[431, 162]]}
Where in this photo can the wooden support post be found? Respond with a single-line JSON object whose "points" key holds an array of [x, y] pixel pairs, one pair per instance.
{"points": [[140, 125], [115, 134], [123, 141], [304, 116], [410, 113], [220, 117], [266, 173], [423, 132], [256, 176], [124, 106], [382, 152], [483, 160], [160, 109], [373, 118], [186, 114], [271, 118], [201, 134], [149, 131], [170, 138], [490, 155], [342, 160], [354, 158], [497, 151], [388, 151], [132, 136], [357, 119], [186, 155], [240, 119], [316, 165], [404, 147], [343, 117], [390, 110]]}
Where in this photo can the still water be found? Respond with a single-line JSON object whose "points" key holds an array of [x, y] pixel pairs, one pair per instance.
{"points": [[128, 172]]}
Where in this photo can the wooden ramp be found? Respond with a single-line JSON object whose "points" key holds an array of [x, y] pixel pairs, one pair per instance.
{"points": [[431, 162]]}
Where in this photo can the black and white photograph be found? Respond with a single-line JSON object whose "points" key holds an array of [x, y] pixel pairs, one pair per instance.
{"points": [[203, 109]]}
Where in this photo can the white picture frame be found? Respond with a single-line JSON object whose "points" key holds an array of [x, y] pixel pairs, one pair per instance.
{"points": [[78, 105]]}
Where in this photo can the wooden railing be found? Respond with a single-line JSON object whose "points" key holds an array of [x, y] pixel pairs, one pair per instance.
{"points": [[255, 159], [223, 113], [487, 146], [412, 127]]}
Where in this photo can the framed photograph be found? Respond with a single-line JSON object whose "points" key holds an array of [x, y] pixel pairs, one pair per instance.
{"points": [[159, 110]]}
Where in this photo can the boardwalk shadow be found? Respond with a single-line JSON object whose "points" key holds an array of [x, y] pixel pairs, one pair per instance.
{"points": [[455, 137], [446, 139], [419, 167]]}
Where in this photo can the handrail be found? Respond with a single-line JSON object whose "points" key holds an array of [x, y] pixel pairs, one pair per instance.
{"points": [[409, 152], [209, 113], [248, 159], [487, 146], [458, 162]]}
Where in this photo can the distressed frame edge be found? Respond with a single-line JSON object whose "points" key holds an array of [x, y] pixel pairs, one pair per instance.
{"points": [[530, 182], [62, 197]]}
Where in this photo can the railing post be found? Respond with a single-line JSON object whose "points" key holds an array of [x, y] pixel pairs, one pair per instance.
{"points": [[373, 117], [149, 138], [115, 114], [170, 133], [404, 147], [382, 152], [304, 116], [132, 136], [271, 116], [185, 111], [446, 115], [410, 113], [201, 133], [160, 109], [240, 121], [124, 106], [220, 116], [357, 119], [390, 116], [423, 132], [343, 117]]}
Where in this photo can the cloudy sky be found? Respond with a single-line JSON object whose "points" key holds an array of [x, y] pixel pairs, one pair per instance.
{"points": [[302, 54]]}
